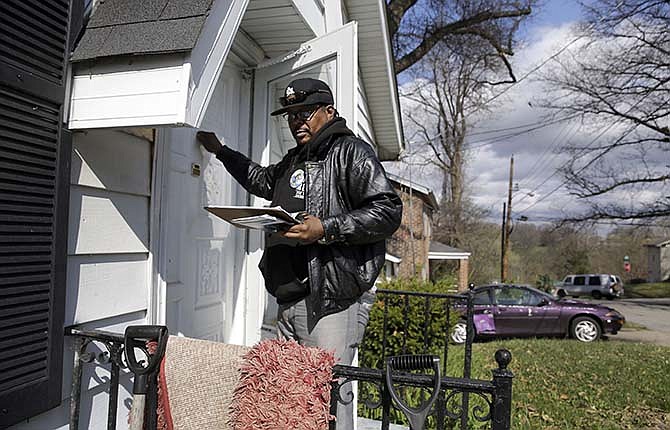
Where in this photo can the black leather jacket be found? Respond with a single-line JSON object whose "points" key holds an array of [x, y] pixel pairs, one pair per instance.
{"points": [[358, 207]]}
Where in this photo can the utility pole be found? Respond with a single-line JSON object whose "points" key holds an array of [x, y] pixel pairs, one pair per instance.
{"points": [[502, 243], [508, 224]]}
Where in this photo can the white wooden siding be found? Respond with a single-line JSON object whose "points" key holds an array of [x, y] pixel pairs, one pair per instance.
{"points": [[113, 161], [104, 286], [107, 222], [146, 92], [108, 233], [364, 128]]}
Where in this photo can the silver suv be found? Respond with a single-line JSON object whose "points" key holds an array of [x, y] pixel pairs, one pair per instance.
{"points": [[595, 285]]}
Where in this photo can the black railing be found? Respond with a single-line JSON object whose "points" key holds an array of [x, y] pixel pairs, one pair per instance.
{"points": [[452, 408], [409, 322], [112, 353]]}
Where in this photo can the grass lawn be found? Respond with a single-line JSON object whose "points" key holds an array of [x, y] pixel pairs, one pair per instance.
{"points": [[649, 291], [565, 384]]}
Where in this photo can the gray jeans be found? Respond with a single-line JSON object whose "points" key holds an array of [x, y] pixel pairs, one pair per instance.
{"points": [[340, 332]]}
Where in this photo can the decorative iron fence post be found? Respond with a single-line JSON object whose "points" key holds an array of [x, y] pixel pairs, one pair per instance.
{"points": [[502, 380], [79, 347], [467, 363]]}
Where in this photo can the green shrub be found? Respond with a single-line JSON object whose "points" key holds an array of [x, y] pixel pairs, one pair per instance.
{"points": [[425, 330]]}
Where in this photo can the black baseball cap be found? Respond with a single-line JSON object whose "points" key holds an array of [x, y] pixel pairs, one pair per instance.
{"points": [[304, 92]]}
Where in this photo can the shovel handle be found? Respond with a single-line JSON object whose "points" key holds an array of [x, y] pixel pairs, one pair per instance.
{"points": [[137, 336], [136, 420], [416, 416]]}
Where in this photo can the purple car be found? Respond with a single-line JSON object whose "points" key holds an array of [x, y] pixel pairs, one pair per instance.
{"points": [[504, 310]]}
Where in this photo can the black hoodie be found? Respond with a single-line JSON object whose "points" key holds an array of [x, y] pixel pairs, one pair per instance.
{"points": [[284, 263]]}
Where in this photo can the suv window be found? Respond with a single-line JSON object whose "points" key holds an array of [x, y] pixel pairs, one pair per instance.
{"points": [[568, 280], [594, 280], [580, 280]]}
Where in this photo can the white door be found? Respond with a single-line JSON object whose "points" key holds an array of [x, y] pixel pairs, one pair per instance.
{"points": [[331, 58], [201, 265]]}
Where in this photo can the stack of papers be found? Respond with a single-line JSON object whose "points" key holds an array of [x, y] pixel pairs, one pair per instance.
{"points": [[267, 219]]}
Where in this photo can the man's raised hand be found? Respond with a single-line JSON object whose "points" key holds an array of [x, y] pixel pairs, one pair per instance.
{"points": [[209, 141]]}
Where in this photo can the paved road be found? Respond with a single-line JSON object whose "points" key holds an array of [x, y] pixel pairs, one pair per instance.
{"points": [[654, 314]]}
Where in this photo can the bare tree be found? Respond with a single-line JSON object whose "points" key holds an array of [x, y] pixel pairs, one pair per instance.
{"points": [[418, 26], [450, 88], [619, 82]]}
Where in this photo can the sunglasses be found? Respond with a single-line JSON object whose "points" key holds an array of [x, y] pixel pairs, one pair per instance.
{"points": [[298, 97], [301, 115]]}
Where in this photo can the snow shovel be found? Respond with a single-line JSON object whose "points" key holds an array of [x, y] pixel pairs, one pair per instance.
{"points": [[137, 337], [416, 416]]}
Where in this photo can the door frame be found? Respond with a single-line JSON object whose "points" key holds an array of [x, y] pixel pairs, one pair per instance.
{"points": [[156, 305]]}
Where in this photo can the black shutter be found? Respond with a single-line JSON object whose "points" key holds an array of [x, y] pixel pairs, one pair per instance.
{"points": [[34, 183]]}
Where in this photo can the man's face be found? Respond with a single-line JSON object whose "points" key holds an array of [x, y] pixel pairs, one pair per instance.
{"points": [[306, 121]]}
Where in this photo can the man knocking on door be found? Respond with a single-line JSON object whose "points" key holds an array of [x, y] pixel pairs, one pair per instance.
{"points": [[318, 270]]}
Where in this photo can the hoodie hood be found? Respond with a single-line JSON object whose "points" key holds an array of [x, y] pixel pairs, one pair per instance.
{"points": [[317, 148]]}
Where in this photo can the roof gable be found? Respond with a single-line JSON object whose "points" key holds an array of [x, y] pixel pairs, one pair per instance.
{"points": [[129, 27]]}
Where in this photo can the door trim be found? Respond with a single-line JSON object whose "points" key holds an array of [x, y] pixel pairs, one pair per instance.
{"points": [[156, 309]]}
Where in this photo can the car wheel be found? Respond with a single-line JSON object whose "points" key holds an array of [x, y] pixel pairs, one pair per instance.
{"points": [[561, 293], [459, 332], [585, 329], [596, 294]]}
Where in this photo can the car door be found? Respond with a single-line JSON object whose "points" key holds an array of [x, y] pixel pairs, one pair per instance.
{"points": [[579, 286], [516, 312], [483, 317]]}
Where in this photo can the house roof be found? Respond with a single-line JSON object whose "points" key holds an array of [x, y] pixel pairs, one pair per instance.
{"points": [[659, 243], [441, 247], [440, 251], [425, 193], [125, 27]]}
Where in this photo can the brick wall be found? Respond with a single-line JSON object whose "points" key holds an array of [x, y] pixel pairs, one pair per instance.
{"points": [[413, 217]]}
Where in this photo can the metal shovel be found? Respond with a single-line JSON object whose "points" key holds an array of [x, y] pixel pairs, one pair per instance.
{"points": [[137, 337], [416, 416]]}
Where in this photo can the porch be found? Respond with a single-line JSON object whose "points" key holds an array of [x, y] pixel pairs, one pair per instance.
{"points": [[461, 400]]}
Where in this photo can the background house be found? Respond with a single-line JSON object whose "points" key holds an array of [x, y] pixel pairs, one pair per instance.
{"points": [[411, 249], [658, 261], [103, 184]]}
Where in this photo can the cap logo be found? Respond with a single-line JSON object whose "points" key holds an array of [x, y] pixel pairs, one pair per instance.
{"points": [[290, 94]]}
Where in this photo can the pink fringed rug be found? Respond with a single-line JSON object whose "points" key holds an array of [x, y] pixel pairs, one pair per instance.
{"points": [[283, 385]]}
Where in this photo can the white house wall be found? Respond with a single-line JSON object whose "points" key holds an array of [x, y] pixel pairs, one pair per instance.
{"points": [[119, 93], [108, 233], [364, 128]]}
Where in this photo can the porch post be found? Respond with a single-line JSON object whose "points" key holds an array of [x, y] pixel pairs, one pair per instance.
{"points": [[463, 271]]}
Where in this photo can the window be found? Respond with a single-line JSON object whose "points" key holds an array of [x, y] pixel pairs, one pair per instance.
{"points": [[594, 280], [568, 280], [481, 298], [580, 280], [509, 296]]}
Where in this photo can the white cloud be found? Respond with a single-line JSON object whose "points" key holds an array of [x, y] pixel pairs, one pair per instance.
{"points": [[541, 193]]}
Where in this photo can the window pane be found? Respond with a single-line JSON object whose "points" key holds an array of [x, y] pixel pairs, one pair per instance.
{"points": [[482, 298], [594, 280]]}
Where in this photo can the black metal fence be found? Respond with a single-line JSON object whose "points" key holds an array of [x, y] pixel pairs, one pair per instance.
{"points": [[407, 322], [403, 315]]}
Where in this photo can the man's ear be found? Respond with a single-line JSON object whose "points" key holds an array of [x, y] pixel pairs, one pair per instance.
{"points": [[331, 111]]}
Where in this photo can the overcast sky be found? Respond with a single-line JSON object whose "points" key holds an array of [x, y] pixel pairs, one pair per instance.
{"points": [[540, 194]]}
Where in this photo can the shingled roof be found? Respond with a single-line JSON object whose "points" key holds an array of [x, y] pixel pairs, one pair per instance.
{"points": [[131, 27]]}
